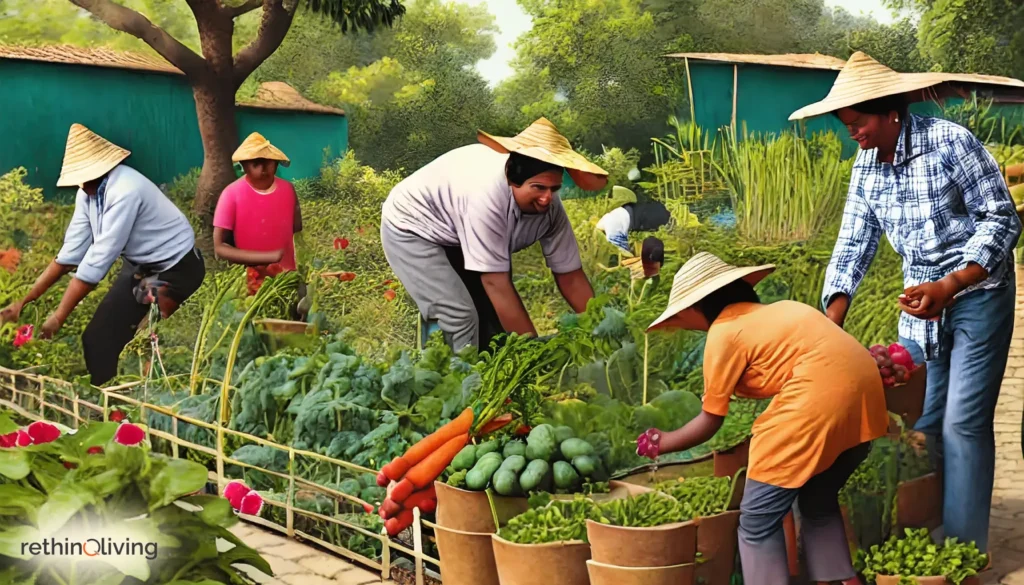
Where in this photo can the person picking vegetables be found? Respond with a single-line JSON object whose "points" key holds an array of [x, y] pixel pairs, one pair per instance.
{"points": [[450, 228], [827, 405], [628, 216], [938, 195], [258, 215]]}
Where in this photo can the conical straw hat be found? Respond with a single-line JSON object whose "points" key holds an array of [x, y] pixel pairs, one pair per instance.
{"points": [[622, 196], [702, 275], [256, 146], [863, 79], [543, 142], [87, 157]]}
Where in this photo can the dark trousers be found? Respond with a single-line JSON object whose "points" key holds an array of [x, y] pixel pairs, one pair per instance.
{"points": [[119, 314], [490, 324]]}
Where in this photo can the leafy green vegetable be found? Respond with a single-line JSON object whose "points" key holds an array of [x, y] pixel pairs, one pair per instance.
{"points": [[915, 554], [700, 497], [642, 511], [551, 521]]}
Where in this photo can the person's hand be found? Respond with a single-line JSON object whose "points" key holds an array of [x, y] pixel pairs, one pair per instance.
{"points": [[12, 313], [927, 300], [649, 444], [52, 324], [837, 309], [278, 255]]}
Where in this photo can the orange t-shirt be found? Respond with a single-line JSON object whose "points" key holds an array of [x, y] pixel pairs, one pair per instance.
{"points": [[826, 392]]}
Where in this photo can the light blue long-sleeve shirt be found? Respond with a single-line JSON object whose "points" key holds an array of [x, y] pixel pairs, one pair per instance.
{"points": [[129, 216]]}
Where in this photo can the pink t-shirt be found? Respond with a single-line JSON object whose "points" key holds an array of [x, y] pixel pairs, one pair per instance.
{"points": [[261, 222]]}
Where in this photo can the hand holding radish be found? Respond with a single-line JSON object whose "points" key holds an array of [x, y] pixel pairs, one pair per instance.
{"points": [[894, 363]]}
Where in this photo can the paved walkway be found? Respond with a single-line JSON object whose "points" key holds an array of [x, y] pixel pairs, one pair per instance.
{"points": [[1007, 530]]}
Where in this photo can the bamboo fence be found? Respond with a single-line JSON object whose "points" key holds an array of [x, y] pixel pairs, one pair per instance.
{"points": [[37, 397]]}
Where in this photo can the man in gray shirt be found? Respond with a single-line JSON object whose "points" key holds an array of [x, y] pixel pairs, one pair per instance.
{"points": [[118, 212], [449, 231]]}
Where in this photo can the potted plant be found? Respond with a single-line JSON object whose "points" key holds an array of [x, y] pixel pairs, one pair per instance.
{"points": [[916, 558]]}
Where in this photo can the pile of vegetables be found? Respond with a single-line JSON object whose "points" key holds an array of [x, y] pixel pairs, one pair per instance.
{"points": [[700, 497], [551, 460], [894, 363], [915, 554], [550, 520], [643, 511]]}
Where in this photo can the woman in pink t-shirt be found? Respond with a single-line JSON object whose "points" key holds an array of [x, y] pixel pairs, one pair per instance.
{"points": [[258, 215]]}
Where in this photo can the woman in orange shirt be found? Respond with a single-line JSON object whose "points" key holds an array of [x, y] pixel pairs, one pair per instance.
{"points": [[827, 405]]}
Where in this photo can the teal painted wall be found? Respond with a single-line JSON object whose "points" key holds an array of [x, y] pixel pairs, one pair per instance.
{"points": [[151, 114]]}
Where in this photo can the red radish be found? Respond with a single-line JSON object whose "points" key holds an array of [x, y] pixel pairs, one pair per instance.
{"points": [[234, 492], [888, 382], [43, 432], [389, 295], [886, 372], [94, 450], [9, 440], [382, 480], [129, 435], [402, 491], [390, 509], [251, 504], [70, 465], [24, 439], [116, 416], [878, 349], [368, 508], [399, 523]]}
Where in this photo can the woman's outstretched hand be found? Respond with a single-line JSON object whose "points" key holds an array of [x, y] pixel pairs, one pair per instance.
{"points": [[649, 444]]}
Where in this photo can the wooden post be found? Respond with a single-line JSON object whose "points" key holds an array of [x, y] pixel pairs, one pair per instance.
{"points": [[291, 493], [42, 399], [220, 456], [735, 87], [689, 88], [417, 544], [646, 348], [174, 444]]}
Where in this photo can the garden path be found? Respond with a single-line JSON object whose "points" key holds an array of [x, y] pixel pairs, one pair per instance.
{"points": [[1006, 535]]}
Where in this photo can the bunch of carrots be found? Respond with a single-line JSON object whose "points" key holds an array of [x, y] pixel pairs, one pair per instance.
{"points": [[413, 473]]}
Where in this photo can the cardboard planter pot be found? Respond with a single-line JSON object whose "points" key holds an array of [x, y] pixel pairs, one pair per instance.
{"points": [[469, 511], [658, 546], [602, 574], [730, 461], [466, 558], [919, 503], [553, 563], [717, 540]]}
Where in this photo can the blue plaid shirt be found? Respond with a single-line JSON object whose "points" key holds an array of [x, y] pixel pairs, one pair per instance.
{"points": [[942, 203]]}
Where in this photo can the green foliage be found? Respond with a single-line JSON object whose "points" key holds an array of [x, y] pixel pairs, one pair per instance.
{"points": [[642, 511], [915, 554], [551, 521]]}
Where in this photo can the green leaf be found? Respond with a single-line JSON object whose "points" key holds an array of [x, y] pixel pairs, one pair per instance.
{"points": [[12, 538], [7, 426], [216, 511], [14, 464], [111, 579], [64, 502], [179, 478], [17, 500]]}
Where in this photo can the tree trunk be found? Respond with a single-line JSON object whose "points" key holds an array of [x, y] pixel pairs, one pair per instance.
{"points": [[215, 108]]}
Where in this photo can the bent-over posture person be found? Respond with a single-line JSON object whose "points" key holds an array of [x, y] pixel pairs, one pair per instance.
{"points": [[827, 404], [118, 212], [449, 231]]}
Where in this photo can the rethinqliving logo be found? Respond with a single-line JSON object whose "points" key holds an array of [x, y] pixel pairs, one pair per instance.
{"points": [[91, 548]]}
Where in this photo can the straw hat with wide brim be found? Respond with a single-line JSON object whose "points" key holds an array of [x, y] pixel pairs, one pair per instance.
{"points": [[256, 146], [622, 196], [863, 79], [543, 142], [702, 275], [88, 157]]}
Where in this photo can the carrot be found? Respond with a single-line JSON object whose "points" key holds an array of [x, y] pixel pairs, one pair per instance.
{"points": [[398, 523], [437, 439], [395, 470], [495, 424], [402, 490], [382, 479], [390, 509], [426, 471], [425, 500]]}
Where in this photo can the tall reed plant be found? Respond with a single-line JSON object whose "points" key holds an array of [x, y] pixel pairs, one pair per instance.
{"points": [[784, 188]]}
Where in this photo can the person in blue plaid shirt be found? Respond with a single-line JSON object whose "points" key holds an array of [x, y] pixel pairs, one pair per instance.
{"points": [[942, 202]]}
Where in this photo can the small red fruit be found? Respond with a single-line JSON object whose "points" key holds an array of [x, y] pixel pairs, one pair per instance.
{"points": [[368, 508], [97, 450], [43, 432], [251, 504], [116, 416], [129, 435], [70, 465], [234, 492], [9, 440], [390, 295], [340, 243], [24, 439], [347, 276]]}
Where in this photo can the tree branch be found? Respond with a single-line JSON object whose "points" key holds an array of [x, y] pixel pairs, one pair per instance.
{"points": [[126, 20], [277, 19], [244, 8]]}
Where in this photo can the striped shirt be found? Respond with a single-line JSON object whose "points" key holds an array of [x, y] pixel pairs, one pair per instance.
{"points": [[942, 203], [463, 199], [128, 216]]}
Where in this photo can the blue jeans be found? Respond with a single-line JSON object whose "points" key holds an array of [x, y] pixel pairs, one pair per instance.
{"points": [[960, 404]]}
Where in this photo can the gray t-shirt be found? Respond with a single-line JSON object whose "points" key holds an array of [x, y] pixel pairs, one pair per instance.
{"points": [[463, 199]]}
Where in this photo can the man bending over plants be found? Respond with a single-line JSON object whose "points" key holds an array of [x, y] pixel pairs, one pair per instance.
{"points": [[450, 228]]}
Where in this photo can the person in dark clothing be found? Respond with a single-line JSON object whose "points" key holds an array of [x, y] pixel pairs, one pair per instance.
{"points": [[629, 215]]}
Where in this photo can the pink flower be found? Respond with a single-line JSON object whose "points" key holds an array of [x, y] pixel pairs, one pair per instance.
{"points": [[340, 243], [23, 335], [251, 504], [24, 439], [234, 492], [129, 435], [43, 432]]}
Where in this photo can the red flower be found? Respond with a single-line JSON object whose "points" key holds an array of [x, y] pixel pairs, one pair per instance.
{"points": [[251, 504], [23, 335], [234, 492], [347, 276], [95, 450], [24, 439], [129, 435], [340, 243], [9, 440], [70, 465], [116, 416], [389, 295], [43, 432]]}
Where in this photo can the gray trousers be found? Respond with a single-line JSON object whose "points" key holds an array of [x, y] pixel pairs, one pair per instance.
{"points": [[427, 274], [762, 541]]}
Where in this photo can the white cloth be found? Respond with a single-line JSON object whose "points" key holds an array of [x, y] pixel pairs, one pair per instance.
{"points": [[129, 217], [463, 199], [615, 225]]}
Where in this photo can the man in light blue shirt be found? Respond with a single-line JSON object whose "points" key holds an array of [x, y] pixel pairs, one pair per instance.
{"points": [[118, 212]]}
